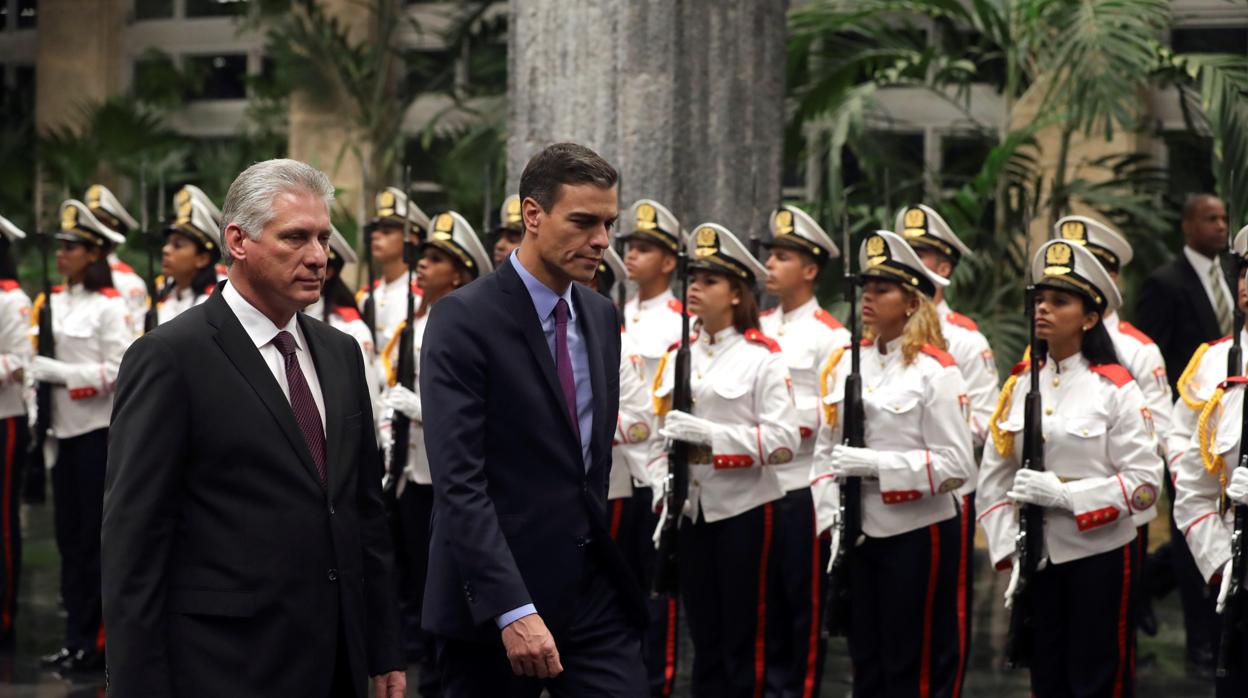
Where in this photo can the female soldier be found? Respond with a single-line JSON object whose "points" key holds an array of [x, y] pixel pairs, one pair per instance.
{"points": [[904, 623], [91, 330], [743, 421], [187, 260], [1101, 468], [15, 355]]}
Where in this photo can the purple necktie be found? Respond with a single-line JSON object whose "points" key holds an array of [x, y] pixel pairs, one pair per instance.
{"points": [[563, 363], [306, 414]]}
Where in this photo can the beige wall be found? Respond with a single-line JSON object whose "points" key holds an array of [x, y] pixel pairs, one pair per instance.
{"points": [[77, 57]]}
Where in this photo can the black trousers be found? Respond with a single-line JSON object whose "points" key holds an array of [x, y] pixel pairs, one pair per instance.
{"points": [[1235, 684], [1084, 627], [600, 652], [903, 637], [725, 568], [78, 498], [13, 439], [415, 508], [966, 588], [632, 521], [795, 600]]}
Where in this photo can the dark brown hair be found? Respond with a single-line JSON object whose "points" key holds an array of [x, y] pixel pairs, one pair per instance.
{"points": [[560, 164], [745, 313]]}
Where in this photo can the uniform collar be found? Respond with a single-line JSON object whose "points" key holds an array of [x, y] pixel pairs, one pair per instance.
{"points": [[258, 326], [1111, 320], [802, 311], [1069, 365], [720, 338], [659, 301], [892, 348], [943, 308]]}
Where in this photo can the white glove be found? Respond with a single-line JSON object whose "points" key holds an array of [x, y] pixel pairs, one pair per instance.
{"points": [[404, 401], [1009, 588], [851, 461], [835, 547], [1041, 488], [48, 370], [1237, 489], [682, 426], [1225, 589]]}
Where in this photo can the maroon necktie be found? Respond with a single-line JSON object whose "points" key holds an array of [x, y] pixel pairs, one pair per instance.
{"points": [[563, 364], [306, 414]]}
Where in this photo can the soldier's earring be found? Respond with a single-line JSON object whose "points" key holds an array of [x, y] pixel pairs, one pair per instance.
{"points": [[736, 301]]}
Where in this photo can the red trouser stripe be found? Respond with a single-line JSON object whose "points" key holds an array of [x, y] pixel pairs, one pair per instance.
{"points": [[925, 661], [617, 510], [10, 432], [760, 630], [963, 554], [812, 650], [669, 653], [1120, 677]]}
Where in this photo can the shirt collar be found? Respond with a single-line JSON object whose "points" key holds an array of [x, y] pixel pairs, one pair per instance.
{"points": [[256, 324], [1111, 320], [804, 310], [659, 301], [943, 309], [893, 347], [544, 299], [1198, 261]]}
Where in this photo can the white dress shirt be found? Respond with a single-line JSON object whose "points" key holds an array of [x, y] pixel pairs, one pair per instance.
{"points": [[1202, 264], [262, 331]]}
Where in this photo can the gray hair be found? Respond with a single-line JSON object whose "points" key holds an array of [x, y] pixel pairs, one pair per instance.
{"points": [[249, 202]]}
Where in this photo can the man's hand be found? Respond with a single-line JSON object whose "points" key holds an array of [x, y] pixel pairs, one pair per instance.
{"points": [[390, 685], [531, 648]]}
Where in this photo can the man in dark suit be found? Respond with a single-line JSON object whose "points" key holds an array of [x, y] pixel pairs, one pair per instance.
{"points": [[526, 589], [1182, 304], [244, 542]]}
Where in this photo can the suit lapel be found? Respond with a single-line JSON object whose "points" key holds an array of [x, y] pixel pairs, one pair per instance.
{"points": [[238, 347], [332, 382], [594, 344], [1199, 299]]}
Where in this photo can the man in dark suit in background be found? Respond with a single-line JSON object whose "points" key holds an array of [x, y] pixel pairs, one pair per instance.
{"points": [[1182, 304], [526, 588], [244, 542]]}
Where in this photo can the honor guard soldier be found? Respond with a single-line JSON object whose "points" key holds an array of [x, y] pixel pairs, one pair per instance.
{"points": [[190, 192], [389, 293], [188, 259], [91, 330], [807, 334], [337, 309], [652, 237], [743, 424], [15, 356], [907, 615], [510, 230], [452, 256], [133, 289], [1101, 468]]}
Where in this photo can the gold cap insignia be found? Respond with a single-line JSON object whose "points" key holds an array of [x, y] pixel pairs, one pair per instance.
{"points": [[385, 204], [181, 197], [184, 212], [1057, 260], [94, 194], [784, 222], [1074, 231], [513, 210], [443, 225], [69, 218], [708, 242], [646, 217], [876, 248], [915, 222]]}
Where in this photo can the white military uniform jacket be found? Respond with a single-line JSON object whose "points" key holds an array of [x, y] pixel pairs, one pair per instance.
{"points": [[633, 427], [92, 330], [348, 320], [652, 327], [740, 383], [969, 348], [1198, 509], [807, 336], [133, 290], [917, 416], [15, 348], [179, 301], [1204, 373], [1098, 437], [390, 305]]}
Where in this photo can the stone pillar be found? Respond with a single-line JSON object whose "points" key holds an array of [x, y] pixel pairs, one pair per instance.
{"points": [[77, 58], [684, 97]]}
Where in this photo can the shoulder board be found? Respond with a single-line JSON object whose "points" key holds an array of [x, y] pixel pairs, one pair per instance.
{"points": [[416, 290], [827, 319], [9, 285], [675, 306], [58, 288], [122, 267], [693, 337], [1232, 382], [1114, 373], [209, 289], [767, 312], [1220, 340], [347, 313], [864, 342], [222, 270], [1134, 333], [945, 358], [759, 338], [376, 283], [961, 321], [1020, 368], [110, 292]]}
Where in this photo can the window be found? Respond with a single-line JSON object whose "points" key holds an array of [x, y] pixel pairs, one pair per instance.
{"points": [[1210, 40], [962, 155], [215, 8], [1189, 159], [427, 172], [27, 13], [429, 71], [4, 16], [487, 58], [224, 76], [153, 9]]}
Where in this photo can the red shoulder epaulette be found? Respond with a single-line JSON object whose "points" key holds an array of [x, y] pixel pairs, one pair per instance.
{"points": [[1114, 373], [1233, 381], [1020, 368], [123, 267], [1220, 340], [110, 292], [222, 270], [945, 358], [961, 321], [58, 288], [826, 318], [417, 290], [760, 338], [9, 285], [864, 342], [693, 337], [1131, 331], [347, 313], [209, 289], [675, 306], [769, 311]]}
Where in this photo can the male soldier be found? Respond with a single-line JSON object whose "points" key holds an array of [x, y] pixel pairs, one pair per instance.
{"points": [[389, 293], [807, 334], [133, 289], [510, 229]]}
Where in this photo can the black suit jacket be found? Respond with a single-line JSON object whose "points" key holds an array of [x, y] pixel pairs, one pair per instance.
{"points": [[1174, 310], [227, 570], [513, 503]]}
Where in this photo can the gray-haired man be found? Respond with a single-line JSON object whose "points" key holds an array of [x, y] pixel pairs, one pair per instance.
{"points": [[245, 547]]}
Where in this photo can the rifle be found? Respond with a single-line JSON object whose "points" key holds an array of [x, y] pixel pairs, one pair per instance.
{"points": [[666, 573], [369, 311], [46, 346], [1029, 543], [400, 425], [1234, 367], [849, 520], [150, 318]]}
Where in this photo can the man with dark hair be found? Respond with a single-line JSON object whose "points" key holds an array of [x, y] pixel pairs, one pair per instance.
{"points": [[525, 588]]}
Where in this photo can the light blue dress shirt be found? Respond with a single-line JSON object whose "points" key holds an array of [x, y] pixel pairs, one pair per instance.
{"points": [[544, 300]]}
